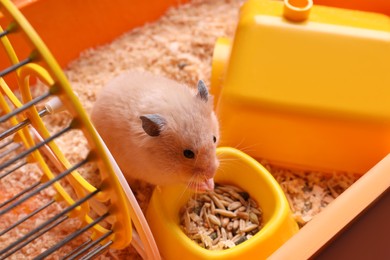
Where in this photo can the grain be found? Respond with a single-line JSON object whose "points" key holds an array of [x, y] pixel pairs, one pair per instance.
{"points": [[242, 215], [225, 213], [230, 226], [214, 220], [234, 205], [217, 202]]}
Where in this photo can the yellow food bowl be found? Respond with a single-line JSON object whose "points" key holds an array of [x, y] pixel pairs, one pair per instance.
{"points": [[238, 169]]}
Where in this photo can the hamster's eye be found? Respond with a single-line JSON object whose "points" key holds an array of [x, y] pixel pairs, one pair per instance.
{"points": [[214, 139], [188, 154]]}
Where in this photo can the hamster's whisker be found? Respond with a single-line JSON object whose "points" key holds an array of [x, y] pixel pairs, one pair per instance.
{"points": [[180, 196], [223, 161], [238, 145], [248, 148], [197, 182], [227, 159], [187, 188]]}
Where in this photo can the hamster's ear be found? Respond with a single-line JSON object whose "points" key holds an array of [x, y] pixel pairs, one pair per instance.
{"points": [[152, 124], [203, 93]]}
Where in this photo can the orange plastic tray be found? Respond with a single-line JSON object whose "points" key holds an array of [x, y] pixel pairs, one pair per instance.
{"points": [[69, 27]]}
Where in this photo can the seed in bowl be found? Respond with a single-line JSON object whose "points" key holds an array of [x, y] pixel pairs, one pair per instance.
{"points": [[222, 218]]}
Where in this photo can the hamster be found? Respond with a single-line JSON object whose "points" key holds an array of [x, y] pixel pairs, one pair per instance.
{"points": [[159, 131]]}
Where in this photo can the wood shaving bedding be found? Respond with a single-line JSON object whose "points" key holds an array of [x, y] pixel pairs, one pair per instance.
{"points": [[308, 192], [179, 46]]}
